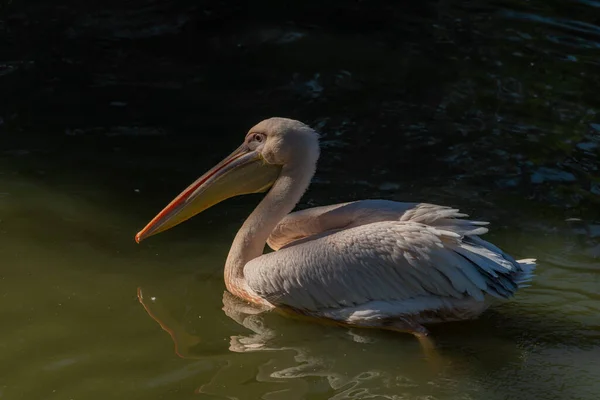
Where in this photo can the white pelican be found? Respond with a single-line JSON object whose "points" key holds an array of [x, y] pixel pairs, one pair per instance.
{"points": [[369, 263]]}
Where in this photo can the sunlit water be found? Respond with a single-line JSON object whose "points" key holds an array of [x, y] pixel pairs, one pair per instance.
{"points": [[511, 135]]}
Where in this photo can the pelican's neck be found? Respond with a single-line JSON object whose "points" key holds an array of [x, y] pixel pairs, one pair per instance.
{"points": [[250, 240]]}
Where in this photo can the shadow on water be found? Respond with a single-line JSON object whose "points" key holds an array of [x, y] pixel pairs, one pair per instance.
{"points": [[495, 97]]}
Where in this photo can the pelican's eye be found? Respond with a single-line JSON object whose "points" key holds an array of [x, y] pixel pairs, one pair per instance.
{"points": [[255, 139]]}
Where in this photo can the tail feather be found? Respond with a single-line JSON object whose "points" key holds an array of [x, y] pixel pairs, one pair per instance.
{"points": [[527, 271]]}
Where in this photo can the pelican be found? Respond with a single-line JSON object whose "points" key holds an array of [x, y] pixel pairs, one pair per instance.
{"points": [[368, 263]]}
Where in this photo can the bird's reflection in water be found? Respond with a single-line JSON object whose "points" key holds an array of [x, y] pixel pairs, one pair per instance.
{"points": [[304, 358]]}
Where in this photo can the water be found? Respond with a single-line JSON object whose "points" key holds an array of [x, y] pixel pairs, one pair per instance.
{"points": [[488, 106]]}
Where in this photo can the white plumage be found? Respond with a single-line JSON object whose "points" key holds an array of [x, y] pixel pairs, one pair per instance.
{"points": [[380, 259], [371, 263]]}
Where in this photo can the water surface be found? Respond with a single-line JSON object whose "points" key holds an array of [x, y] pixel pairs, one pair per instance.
{"points": [[491, 107]]}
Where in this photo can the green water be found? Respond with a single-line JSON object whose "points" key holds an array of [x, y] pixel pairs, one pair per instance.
{"points": [[489, 107], [74, 329]]}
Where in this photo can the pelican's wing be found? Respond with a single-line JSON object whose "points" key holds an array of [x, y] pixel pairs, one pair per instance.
{"points": [[387, 261], [301, 224], [316, 222], [312, 223]]}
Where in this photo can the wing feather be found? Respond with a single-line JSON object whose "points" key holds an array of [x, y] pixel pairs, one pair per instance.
{"points": [[313, 223], [386, 261]]}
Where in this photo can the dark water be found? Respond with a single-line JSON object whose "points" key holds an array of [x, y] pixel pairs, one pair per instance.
{"points": [[109, 109]]}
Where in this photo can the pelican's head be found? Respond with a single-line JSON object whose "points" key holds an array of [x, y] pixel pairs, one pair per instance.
{"points": [[253, 167]]}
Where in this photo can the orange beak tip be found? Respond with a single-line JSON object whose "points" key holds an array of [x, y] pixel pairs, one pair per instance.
{"points": [[138, 238]]}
